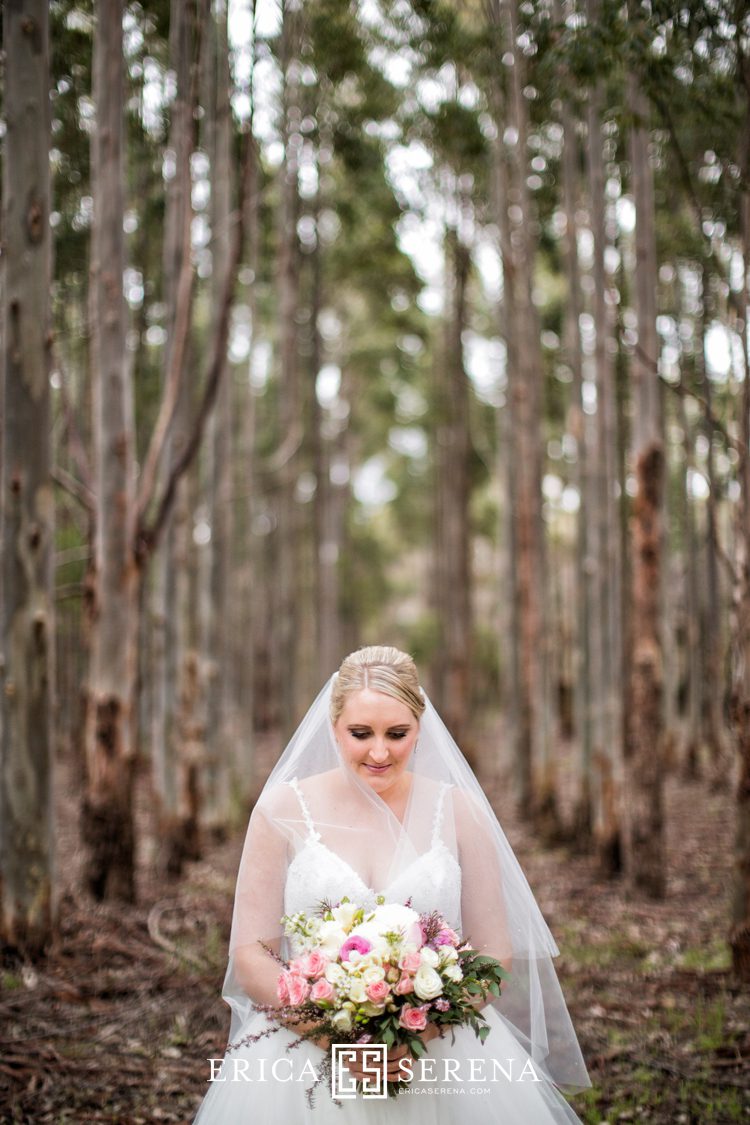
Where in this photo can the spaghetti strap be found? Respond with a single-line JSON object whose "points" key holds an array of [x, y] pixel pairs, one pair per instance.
{"points": [[311, 830]]}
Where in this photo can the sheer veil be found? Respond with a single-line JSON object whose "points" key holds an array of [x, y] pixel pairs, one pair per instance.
{"points": [[498, 912]]}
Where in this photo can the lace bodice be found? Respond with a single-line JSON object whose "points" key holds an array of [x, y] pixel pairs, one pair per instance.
{"points": [[432, 881]]}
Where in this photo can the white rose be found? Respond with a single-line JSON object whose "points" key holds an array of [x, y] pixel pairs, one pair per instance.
{"points": [[331, 937], [453, 972], [342, 1020], [373, 973], [357, 990], [394, 916], [429, 957], [334, 974], [427, 983]]}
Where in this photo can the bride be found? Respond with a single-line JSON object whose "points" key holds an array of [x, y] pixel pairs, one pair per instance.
{"points": [[373, 797]]}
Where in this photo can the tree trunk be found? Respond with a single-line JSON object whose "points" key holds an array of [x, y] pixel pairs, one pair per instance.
{"points": [[582, 820], [715, 732], [222, 768], [27, 899], [691, 763], [607, 757], [520, 723], [249, 584], [289, 396], [330, 491], [645, 743], [176, 832], [525, 385], [453, 532], [107, 812], [739, 933]]}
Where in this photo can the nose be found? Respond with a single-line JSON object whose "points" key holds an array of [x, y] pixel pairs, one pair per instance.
{"points": [[379, 753]]}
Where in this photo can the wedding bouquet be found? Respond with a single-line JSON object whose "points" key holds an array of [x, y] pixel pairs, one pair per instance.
{"points": [[378, 976]]}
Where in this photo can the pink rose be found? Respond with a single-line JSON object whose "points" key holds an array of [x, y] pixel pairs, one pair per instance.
{"points": [[447, 936], [378, 991], [299, 989], [322, 990], [410, 962], [362, 945], [313, 965], [404, 984], [282, 987], [413, 1019]]}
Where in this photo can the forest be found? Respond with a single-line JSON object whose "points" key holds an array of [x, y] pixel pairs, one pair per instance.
{"points": [[329, 323]]}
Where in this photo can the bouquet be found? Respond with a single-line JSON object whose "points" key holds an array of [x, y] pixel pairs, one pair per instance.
{"points": [[378, 975]]}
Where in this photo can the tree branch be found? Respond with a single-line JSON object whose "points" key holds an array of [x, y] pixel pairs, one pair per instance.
{"points": [[147, 537], [75, 488]]}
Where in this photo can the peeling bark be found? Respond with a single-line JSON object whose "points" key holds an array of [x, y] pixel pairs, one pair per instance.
{"points": [[26, 622]]}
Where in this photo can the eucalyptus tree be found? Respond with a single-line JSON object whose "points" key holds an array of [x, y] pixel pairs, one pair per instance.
{"points": [[645, 743], [107, 813], [28, 899]]}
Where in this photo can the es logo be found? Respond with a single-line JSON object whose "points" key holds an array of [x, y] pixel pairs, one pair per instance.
{"points": [[372, 1058]]}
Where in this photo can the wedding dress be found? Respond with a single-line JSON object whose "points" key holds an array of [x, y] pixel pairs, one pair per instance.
{"points": [[490, 1083]]}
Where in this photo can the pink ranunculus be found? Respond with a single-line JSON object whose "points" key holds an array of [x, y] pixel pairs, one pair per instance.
{"points": [[413, 1019], [299, 989], [282, 987], [313, 965], [361, 944], [404, 985], [378, 991], [322, 990], [447, 936], [410, 962]]}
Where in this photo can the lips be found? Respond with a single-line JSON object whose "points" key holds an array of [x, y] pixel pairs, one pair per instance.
{"points": [[377, 769]]}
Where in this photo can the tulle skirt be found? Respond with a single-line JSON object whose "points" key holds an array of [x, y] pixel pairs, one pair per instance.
{"points": [[489, 1083]]}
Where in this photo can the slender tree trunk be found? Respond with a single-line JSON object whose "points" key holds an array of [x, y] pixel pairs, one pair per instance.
{"points": [[645, 746], [329, 511], [27, 896], [691, 762], [454, 535], [107, 812], [250, 581], [520, 720], [605, 614], [176, 830], [289, 396], [220, 747], [739, 933], [582, 821], [525, 384], [715, 733]]}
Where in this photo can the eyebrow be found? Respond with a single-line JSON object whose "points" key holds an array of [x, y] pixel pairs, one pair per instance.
{"points": [[366, 726]]}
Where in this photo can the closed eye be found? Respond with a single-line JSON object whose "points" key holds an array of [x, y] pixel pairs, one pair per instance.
{"points": [[362, 734]]}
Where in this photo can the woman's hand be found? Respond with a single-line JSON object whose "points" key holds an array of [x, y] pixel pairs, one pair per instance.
{"points": [[393, 1073]]}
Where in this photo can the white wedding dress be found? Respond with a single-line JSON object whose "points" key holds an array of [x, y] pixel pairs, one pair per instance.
{"points": [[490, 1083]]}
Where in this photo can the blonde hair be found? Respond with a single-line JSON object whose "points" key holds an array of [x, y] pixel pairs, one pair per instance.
{"points": [[380, 668]]}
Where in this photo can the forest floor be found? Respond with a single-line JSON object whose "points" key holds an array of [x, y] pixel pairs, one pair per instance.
{"points": [[117, 1022]]}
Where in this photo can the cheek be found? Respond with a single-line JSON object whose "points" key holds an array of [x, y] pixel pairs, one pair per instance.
{"points": [[352, 749], [403, 749]]}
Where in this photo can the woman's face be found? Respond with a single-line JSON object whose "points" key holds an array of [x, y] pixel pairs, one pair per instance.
{"points": [[377, 734]]}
